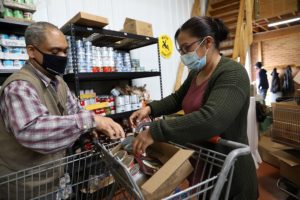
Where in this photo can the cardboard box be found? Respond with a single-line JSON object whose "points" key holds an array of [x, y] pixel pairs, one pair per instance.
{"points": [[267, 147], [174, 171], [138, 27], [86, 19], [289, 164]]}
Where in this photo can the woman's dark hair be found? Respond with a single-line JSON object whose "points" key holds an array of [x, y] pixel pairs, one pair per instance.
{"points": [[205, 26]]}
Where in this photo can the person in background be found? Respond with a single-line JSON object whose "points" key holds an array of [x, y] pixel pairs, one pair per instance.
{"points": [[39, 116], [215, 98], [275, 87], [263, 83]]}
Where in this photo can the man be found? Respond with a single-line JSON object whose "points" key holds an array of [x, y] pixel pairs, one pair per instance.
{"points": [[263, 84], [40, 117]]}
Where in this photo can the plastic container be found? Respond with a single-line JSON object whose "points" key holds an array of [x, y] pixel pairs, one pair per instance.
{"points": [[18, 14], [8, 12]]}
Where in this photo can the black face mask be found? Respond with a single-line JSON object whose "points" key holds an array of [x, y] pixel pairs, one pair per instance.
{"points": [[52, 63]]}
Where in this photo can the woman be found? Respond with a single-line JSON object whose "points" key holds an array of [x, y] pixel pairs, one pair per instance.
{"points": [[214, 97]]}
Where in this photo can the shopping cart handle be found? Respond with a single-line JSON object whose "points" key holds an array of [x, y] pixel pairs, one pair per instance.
{"points": [[215, 139]]}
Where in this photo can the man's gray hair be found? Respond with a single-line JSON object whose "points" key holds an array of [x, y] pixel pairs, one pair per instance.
{"points": [[35, 33]]}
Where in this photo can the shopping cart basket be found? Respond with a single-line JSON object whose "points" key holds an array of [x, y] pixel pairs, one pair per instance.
{"points": [[215, 178], [80, 176]]}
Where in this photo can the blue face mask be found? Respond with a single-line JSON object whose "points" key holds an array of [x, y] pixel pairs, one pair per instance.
{"points": [[192, 61]]}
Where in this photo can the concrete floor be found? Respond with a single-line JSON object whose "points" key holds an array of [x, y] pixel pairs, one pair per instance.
{"points": [[267, 178]]}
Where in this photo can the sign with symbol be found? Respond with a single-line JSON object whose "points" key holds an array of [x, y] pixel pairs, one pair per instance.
{"points": [[165, 46]]}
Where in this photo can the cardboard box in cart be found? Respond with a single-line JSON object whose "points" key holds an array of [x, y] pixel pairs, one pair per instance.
{"points": [[175, 170], [138, 27]]}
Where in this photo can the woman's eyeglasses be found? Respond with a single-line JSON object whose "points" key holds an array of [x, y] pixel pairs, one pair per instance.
{"points": [[186, 47]]}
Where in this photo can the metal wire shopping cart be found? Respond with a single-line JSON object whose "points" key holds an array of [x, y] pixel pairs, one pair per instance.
{"points": [[80, 176], [97, 174], [216, 172]]}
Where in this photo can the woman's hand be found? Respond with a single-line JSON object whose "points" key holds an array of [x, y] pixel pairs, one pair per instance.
{"points": [[142, 141], [139, 115]]}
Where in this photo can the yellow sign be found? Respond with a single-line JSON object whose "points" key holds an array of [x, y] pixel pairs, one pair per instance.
{"points": [[165, 46]]}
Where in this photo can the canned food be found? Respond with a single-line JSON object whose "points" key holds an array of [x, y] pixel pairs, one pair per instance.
{"points": [[8, 63], [95, 69], [13, 37], [137, 175], [107, 111], [4, 36], [112, 110], [28, 15], [17, 64], [97, 111], [135, 106], [115, 92], [134, 99], [120, 154], [120, 109], [120, 101], [102, 112], [127, 107], [126, 99], [88, 43], [128, 161], [16, 50], [6, 49], [106, 69]]}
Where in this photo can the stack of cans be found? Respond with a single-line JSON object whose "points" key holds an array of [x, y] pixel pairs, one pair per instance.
{"points": [[122, 61], [100, 59], [88, 55], [81, 60], [97, 59], [69, 68], [135, 65], [118, 61], [108, 64], [127, 63]]}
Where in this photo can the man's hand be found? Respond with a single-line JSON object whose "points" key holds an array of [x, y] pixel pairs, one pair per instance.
{"points": [[109, 127], [142, 141]]}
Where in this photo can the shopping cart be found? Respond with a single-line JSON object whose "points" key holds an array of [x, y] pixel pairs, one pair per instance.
{"points": [[98, 174], [83, 175], [216, 171]]}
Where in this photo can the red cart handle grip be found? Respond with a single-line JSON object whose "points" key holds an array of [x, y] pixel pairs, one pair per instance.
{"points": [[215, 139]]}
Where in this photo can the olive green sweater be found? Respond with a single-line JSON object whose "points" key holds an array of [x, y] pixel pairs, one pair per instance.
{"points": [[223, 112]]}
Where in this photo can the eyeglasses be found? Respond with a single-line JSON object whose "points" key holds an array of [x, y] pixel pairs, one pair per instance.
{"points": [[186, 47]]}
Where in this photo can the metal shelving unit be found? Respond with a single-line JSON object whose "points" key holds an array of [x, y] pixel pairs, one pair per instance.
{"points": [[119, 41], [13, 27], [99, 37], [110, 76]]}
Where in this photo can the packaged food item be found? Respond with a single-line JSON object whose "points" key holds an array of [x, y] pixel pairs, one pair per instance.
{"points": [[18, 14], [8, 63], [8, 12], [28, 15]]}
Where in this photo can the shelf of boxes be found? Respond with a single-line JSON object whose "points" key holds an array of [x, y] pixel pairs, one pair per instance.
{"points": [[12, 43], [13, 56], [8, 70]]}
